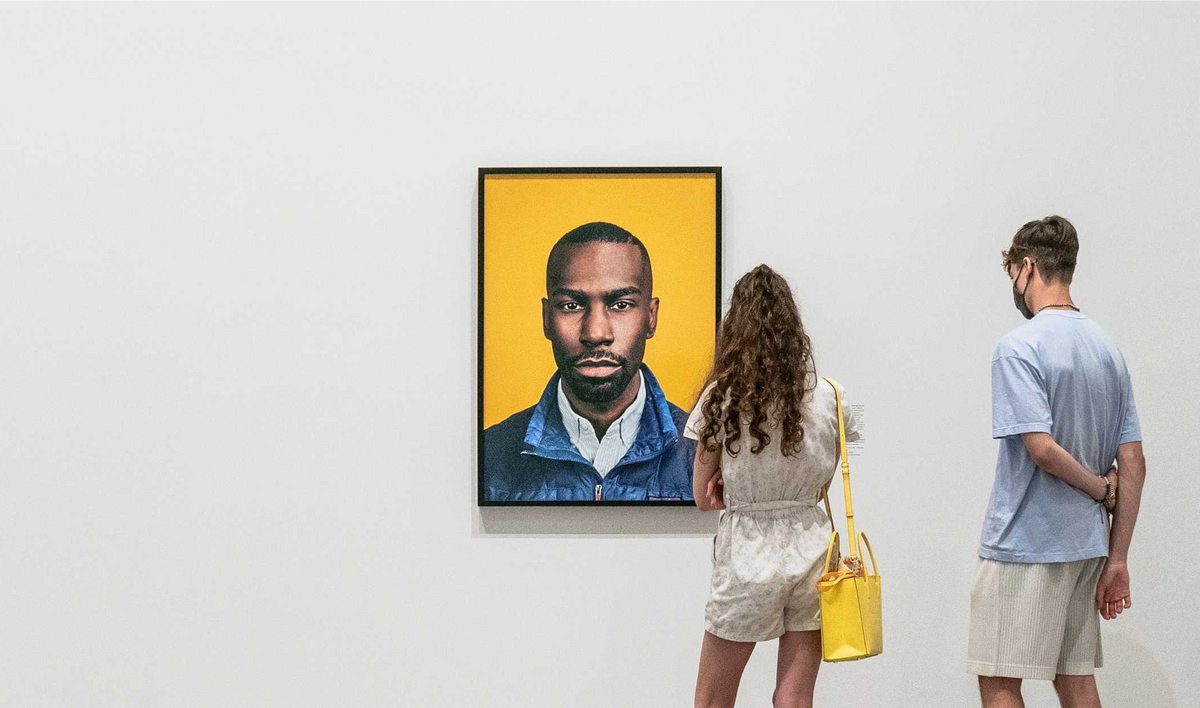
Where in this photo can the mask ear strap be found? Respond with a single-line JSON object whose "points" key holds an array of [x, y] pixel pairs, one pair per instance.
{"points": [[1032, 265]]}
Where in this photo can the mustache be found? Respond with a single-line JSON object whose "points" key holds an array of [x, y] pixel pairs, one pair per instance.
{"points": [[599, 357]]}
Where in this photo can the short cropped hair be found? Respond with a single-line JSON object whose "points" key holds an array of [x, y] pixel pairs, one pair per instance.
{"points": [[597, 232], [1051, 243]]}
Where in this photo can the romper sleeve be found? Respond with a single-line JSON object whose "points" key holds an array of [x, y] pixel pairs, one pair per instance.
{"points": [[848, 420], [697, 421], [852, 432]]}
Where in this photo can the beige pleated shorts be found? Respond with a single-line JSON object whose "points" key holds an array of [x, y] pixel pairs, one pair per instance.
{"points": [[1035, 620]]}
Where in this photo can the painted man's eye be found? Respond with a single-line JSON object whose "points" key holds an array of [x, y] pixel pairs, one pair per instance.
{"points": [[622, 305], [571, 306]]}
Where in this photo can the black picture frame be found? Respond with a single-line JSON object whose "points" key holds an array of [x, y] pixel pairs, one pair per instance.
{"points": [[484, 172]]}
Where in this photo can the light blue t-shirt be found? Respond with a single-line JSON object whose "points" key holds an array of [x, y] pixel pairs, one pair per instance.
{"points": [[1059, 373]]}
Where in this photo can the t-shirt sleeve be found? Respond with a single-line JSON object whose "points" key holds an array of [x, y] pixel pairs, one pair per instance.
{"points": [[1020, 403], [1131, 427], [697, 421]]}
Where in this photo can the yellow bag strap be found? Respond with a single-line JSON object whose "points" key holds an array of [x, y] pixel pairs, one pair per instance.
{"points": [[845, 471]]}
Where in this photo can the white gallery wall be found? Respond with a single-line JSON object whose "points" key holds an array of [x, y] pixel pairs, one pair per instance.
{"points": [[237, 330]]}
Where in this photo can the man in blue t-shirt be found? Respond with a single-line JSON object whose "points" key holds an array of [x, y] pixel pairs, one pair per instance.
{"points": [[1063, 410]]}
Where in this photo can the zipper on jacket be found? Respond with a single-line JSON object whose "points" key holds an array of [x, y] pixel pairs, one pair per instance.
{"points": [[599, 488]]}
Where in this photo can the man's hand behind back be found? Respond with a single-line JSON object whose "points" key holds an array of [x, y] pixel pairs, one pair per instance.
{"points": [[1112, 478]]}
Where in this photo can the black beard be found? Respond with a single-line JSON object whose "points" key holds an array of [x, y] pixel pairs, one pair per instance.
{"points": [[598, 391], [592, 390]]}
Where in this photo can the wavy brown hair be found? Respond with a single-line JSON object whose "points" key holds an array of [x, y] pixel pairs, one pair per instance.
{"points": [[761, 369], [1051, 243]]}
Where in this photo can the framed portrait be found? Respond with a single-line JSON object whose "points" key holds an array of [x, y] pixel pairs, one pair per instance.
{"points": [[599, 300]]}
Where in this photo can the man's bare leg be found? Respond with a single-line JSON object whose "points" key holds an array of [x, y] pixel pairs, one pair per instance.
{"points": [[1000, 692], [1077, 691]]}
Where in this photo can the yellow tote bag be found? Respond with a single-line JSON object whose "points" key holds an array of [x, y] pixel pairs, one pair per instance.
{"points": [[851, 605]]}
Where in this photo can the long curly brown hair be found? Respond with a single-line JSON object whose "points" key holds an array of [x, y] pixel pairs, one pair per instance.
{"points": [[762, 369]]}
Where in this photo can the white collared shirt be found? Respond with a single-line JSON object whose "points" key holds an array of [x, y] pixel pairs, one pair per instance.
{"points": [[603, 454]]}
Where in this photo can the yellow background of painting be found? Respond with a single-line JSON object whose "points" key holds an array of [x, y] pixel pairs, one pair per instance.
{"points": [[674, 215]]}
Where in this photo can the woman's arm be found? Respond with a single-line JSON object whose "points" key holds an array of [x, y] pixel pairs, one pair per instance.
{"points": [[705, 466]]}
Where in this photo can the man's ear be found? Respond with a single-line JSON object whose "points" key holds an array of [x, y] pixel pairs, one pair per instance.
{"points": [[545, 318], [1023, 268], [1031, 266], [653, 318]]}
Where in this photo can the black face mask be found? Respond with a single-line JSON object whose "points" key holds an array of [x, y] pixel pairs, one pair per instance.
{"points": [[1019, 297]]}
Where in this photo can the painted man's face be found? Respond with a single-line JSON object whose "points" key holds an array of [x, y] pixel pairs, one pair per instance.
{"points": [[598, 314]]}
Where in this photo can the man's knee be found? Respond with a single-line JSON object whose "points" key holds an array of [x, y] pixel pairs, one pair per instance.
{"points": [[1067, 682], [1076, 691], [1000, 691]]}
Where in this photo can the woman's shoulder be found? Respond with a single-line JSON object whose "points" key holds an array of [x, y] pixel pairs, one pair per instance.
{"points": [[825, 404], [824, 396], [826, 383], [703, 396]]}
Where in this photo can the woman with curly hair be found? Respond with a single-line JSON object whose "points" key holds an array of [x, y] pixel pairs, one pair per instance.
{"points": [[767, 444]]}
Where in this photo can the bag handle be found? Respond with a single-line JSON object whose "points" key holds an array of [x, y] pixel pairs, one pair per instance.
{"points": [[874, 565], [828, 510], [837, 392], [833, 543], [832, 576]]}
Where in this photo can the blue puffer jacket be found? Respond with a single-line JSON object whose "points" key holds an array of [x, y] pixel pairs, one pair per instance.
{"points": [[529, 456]]}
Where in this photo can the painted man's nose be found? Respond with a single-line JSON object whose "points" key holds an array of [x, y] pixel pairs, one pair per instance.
{"points": [[596, 330]]}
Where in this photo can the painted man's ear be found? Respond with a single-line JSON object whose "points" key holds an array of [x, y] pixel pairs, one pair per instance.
{"points": [[546, 318], [653, 318]]}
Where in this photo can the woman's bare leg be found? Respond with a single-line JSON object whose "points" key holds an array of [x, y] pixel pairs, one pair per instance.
{"points": [[721, 666], [796, 675]]}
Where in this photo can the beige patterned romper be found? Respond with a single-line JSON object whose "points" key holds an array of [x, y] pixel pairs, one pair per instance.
{"points": [[772, 537]]}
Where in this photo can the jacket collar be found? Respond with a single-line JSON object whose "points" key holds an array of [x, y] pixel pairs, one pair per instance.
{"points": [[546, 436]]}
